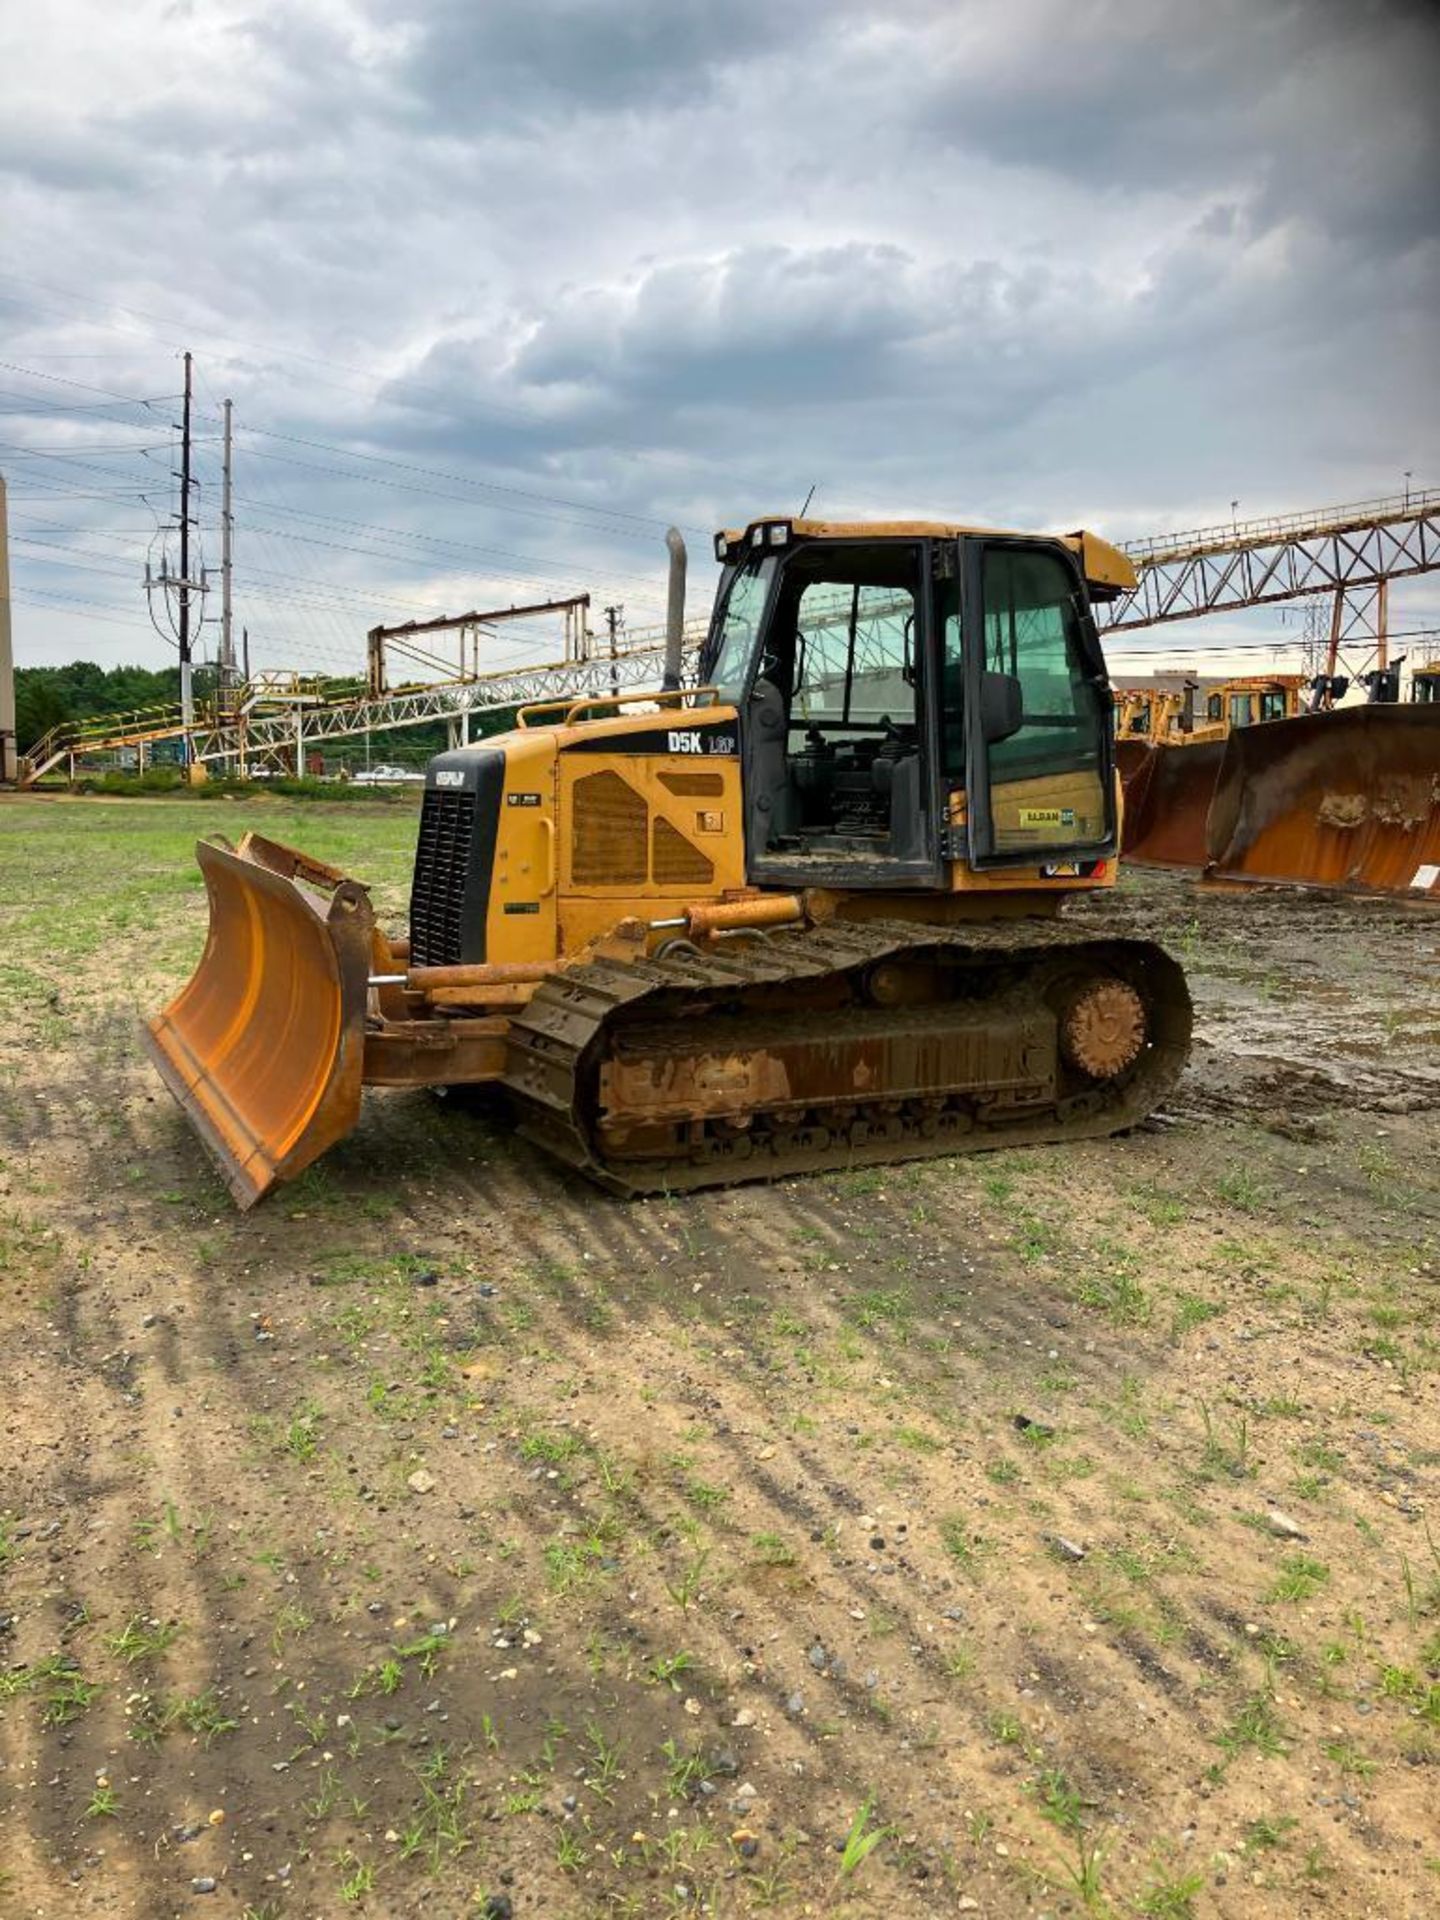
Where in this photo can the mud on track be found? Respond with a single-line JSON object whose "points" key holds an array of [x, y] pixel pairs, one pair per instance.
{"points": [[945, 1490]]}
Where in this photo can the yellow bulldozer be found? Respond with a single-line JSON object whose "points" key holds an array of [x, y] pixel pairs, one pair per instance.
{"points": [[1170, 751], [800, 915]]}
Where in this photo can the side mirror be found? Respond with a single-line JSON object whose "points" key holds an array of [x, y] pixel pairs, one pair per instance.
{"points": [[1002, 707]]}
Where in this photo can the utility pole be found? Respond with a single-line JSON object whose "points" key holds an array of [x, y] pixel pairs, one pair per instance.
{"points": [[187, 691], [227, 523], [9, 744], [612, 621]]}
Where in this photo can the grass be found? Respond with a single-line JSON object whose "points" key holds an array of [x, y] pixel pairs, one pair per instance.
{"points": [[104, 1803], [883, 1376], [968, 1549], [1171, 1898], [1301, 1575], [1058, 1799], [142, 1639], [1256, 1727], [862, 1839], [202, 1715]]}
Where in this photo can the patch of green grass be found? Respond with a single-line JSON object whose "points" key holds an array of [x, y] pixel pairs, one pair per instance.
{"points": [[707, 1498], [571, 1565], [104, 1804], [201, 1714], [142, 1639], [773, 1550], [552, 1449], [666, 1668], [1268, 1832], [1159, 1208], [425, 1650], [1191, 1310], [862, 1839], [1348, 1758], [1058, 1799], [1116, 1291], [968, 1549], [1171, 1898], [358, 1881], [1257, 1726], [1224, 1454], [1243, 1189], [685, 1772], [1301, 1575], [876, 1309]]}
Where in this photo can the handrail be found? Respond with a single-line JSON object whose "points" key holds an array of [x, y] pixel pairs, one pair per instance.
{"points": [[1415, 505], [658, 697]]}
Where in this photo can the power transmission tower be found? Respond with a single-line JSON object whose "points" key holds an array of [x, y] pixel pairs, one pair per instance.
{"points": [[182, 586], [187, 690]]}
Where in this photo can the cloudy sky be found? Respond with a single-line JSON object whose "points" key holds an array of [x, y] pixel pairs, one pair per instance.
{"points": [[499, 287]]}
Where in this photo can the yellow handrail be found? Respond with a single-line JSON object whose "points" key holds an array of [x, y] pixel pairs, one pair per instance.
{"points": [[675, 696]]}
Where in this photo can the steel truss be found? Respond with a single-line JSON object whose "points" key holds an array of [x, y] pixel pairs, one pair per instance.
{"points": [[1255, 562]]}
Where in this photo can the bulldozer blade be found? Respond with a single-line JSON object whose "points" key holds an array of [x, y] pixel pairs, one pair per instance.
{"points": [[1167, 799], [264, 1048], [1130, 757], [1346, 799]]}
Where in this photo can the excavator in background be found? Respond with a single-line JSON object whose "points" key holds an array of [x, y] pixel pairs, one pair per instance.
{"points": [[801, 915]]}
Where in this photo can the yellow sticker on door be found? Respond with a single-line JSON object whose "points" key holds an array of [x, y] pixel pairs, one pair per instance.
{"points": [[1047, 816]]}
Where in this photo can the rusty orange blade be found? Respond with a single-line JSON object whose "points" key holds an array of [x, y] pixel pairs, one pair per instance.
{"points": [[1344, 799], [264, 1048], [1167, 798]]}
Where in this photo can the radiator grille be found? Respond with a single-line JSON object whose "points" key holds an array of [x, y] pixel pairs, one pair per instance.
{"points": [[676, 862], [442, 866], [610, 833]]}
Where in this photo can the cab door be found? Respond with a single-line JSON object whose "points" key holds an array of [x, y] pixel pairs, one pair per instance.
{"points": [[1040, 755]]}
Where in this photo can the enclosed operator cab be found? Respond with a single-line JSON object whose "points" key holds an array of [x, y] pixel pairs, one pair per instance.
{"points": [[913, 696]]}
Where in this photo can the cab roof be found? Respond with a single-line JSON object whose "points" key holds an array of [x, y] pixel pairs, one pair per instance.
{"points": [[1108, 572]]}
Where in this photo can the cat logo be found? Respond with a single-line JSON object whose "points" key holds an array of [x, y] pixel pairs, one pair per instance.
{"points": [[450, 777]]}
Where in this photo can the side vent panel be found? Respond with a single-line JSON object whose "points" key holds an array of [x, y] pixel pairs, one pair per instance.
{"points": [[694, 786], [676, 862], [611, 819]]}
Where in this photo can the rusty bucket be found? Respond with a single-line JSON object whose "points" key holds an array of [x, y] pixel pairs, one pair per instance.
{"points": [[264, 1048], [1167, 799], [1345, 799], [1131, 756]]}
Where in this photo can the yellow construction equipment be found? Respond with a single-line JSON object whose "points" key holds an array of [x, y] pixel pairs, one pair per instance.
{"points": [[803, 914], [1170, 775]]}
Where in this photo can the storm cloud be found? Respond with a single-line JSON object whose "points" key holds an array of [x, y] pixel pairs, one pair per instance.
{"points": [[564, 271]]}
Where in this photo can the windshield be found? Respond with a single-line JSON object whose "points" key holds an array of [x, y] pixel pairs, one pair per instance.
{"points": [[733, 643]]}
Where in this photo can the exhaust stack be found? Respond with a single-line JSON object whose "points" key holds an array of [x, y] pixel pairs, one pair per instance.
{"points": [[674, 611]]}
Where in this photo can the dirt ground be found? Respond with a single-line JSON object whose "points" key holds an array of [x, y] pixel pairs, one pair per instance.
{"points": [[1027, 1534]]}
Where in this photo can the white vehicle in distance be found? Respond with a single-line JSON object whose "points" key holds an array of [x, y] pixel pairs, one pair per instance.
{"points": [[384, 776]]}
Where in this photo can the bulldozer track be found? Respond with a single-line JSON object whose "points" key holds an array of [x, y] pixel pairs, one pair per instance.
{"points": [[650, 1018]]}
